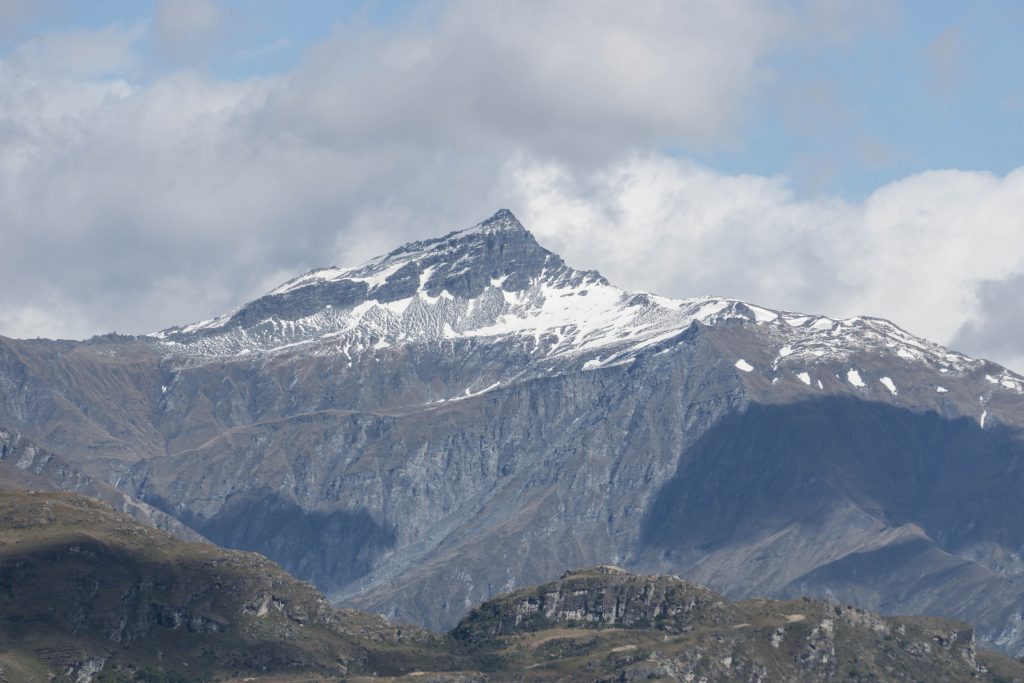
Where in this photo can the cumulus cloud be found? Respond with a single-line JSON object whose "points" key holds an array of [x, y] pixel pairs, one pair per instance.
{"points": [[574, 78], [996, 326]]}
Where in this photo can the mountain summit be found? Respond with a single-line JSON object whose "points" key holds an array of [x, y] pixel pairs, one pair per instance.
{"points": [[469, 414], [457, 285], [494, 281]]}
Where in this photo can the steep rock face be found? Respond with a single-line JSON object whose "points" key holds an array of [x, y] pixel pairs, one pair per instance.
{"points": [[469, 414]]}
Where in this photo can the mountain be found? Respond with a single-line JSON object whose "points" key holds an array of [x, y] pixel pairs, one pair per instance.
{"points": [[89, 595], [468, 415]]}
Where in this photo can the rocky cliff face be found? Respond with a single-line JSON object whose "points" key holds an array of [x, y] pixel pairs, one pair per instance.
{"points": [[600, 597], [467, 415]]}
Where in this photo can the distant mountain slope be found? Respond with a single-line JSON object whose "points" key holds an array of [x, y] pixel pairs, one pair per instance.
{"points": [[469, 414], [25, 466]]}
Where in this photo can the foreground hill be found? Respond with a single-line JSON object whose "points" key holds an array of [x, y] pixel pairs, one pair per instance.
{"points": [[604, 624], [87, 594], [469, 414]]}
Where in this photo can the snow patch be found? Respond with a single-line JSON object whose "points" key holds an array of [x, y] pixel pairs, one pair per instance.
{"points": [[853, 377], [890, 385], [941, 390], [763, 315], [744, 365], [804, 377]]}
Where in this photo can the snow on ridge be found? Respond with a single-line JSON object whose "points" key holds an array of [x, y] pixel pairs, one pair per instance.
{"points": [[763, 315], [560, 316], [583, 317], [376, 270], [312, 277]]}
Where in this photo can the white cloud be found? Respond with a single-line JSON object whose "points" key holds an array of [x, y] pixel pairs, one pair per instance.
{"points": [[996, 326], [575, 78]]}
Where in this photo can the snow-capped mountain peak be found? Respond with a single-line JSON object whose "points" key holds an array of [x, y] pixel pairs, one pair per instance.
{"points": [[375, 272], [494, 283]]}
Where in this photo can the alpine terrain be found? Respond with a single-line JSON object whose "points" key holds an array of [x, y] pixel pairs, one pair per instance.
{"points": [[468, 415]]}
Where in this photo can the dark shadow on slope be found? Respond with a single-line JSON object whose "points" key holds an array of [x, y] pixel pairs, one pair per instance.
{"points": [[777, 464], [328, 548], [916, 577], [890, 578]]}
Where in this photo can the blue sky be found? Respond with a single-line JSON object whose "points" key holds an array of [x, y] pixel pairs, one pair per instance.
{"points": [[921, 85], [171, 160]]}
